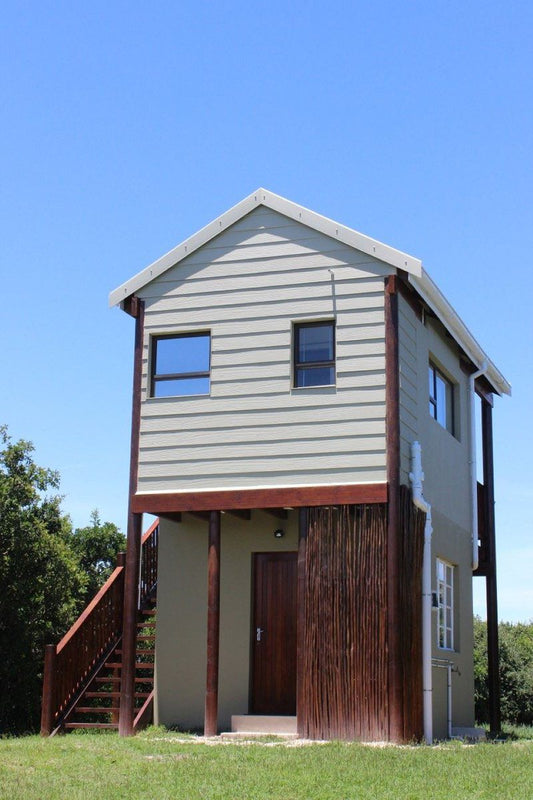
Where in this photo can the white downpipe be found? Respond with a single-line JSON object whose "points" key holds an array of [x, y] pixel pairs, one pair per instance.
{"points": [[416, 476], [473, 467]]}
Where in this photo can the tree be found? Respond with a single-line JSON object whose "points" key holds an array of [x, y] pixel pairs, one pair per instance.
{"points": [[97, 547], [516, 671], [40, 578]]}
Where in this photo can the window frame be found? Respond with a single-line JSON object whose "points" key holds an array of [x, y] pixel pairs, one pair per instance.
{"points": [[298, 366], [445, 610], [435, 373], [176, 376]]}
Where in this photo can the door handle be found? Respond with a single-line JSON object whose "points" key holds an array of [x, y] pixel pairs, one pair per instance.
{"points": [[258, 633]]}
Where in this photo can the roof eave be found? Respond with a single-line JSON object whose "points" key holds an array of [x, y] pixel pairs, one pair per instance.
{"points": [[389, 255], [436, 301]]}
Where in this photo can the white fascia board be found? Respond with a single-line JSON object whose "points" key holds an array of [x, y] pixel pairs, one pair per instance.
{"points": [[436, 301], [359, 241]]}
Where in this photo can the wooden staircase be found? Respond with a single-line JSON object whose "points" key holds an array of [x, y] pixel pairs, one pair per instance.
{"points": [[98, 706], [82, 674]]}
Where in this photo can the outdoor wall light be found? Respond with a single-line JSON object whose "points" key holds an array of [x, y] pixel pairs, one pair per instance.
{"points": [[279, 533]]}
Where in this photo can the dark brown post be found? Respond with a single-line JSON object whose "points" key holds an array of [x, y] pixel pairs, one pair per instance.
{"points": [[213, 625], [492, 597], [133, 546], [392, 395], [49, 696], [301, 716]]}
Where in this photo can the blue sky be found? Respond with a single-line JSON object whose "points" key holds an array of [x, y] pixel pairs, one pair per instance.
{"points": [[128, 126]]}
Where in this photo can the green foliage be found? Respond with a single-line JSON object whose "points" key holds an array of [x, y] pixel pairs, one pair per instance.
{"points": [[47, 574], [516, 671], [40, 580], [97, 547]]}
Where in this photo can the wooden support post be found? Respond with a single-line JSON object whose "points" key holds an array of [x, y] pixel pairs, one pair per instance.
{"points": [[48, 708], [392, 393], [133, 545], [129, 626], [491, 588], [301, 716], [213, 625]]}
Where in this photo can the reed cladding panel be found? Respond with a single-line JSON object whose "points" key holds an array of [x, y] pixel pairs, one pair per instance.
{"points": [[345, 674], [411, 552], [248, 287]]}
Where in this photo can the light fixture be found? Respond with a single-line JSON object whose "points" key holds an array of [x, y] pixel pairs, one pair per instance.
{"points": [[279, 533]]}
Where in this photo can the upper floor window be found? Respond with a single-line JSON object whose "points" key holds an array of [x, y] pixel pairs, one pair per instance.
{"points": [[441, 398], [181, 364], [314, 354], [445, 604]]}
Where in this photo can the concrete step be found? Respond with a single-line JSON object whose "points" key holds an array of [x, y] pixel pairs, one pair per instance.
{"points": [[263, 724], [469, 734]]}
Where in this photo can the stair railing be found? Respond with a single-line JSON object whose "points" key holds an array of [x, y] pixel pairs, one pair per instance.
{"points": [[148, 577], [69, 665]]}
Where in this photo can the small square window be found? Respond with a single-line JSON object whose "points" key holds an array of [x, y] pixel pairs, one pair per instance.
{"points": [[445, 576], [441, 398], [181, 364], [314, 354]]}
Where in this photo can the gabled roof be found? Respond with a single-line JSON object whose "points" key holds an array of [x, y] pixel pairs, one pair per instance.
{"points": [[417, 276]]}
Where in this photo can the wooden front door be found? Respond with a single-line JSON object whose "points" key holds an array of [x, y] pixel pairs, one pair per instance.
{"points": [[273, 680]]}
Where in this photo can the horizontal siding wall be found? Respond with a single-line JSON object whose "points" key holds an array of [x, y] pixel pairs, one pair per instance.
{"points": [[248, 286], [409, 369]]}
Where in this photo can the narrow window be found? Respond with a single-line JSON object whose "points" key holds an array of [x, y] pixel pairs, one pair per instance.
{"points": [[441, 398], [181, 364], [314, 354], [445, 604]]}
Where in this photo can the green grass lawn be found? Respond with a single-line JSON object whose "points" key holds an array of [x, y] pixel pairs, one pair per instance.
{"points": [[160, 765]]}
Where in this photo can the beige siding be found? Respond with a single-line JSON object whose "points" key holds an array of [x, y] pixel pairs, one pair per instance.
{"points": [[409, 378], [182, 614], [247, 287], [447, 487]]}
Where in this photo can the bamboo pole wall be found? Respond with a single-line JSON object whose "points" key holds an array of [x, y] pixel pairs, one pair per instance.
{"points": [[345, 675], [411, 552], [344, 692]]}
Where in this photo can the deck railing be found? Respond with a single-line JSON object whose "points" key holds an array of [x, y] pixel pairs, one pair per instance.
{"points": [[149, 547], [69, 665]]}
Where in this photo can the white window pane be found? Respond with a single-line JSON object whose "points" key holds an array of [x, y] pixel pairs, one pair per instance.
{"points": [[182, 386], [315, 376], [315, 343], [182, 354]]}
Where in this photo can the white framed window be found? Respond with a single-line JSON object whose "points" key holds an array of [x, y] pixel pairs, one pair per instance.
{"points": [[445, 576], [441, 399]]}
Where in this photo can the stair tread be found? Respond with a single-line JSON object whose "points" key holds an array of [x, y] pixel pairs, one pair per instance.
{"points": [[109, 725], [101, 694], [95, 709]]}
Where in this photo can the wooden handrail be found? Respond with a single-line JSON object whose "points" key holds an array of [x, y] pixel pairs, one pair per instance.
{"points": [[86, 613], [150, 530], [73, 662]]}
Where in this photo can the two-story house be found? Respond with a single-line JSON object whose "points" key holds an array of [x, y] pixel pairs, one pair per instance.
{"points": [[292, 380]]}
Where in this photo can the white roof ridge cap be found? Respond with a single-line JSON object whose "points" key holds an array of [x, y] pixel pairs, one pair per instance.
{"points": [[261, 196]]}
